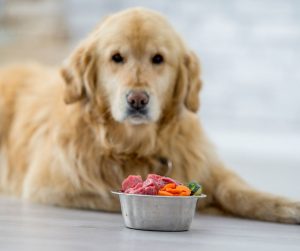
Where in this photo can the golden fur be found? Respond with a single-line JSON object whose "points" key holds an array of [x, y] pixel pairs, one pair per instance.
{"points": [[63, 140]]}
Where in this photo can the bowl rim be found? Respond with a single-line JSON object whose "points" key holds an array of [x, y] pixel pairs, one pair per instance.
{"points": [[159, 196]]}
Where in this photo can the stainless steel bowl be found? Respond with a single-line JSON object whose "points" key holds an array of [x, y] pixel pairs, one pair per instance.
{"points": [[160, 213]]}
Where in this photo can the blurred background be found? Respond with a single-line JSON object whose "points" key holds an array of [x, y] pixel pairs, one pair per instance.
{"points": [[250, 55]]}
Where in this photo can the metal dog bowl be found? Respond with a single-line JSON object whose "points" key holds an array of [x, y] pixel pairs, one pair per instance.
{"points": [[160, 213]]}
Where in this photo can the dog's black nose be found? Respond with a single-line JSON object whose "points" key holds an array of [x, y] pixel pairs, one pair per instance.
{"points": [[137, 99]]}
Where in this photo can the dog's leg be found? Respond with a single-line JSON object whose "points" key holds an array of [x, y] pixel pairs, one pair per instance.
{"points": [[91, 201], [3, 166], [63, 198], [47, 184], [238, 198]]}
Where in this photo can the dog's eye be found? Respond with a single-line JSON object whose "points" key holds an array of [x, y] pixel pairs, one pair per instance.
{"points": [[117, 58], [157, 59]]}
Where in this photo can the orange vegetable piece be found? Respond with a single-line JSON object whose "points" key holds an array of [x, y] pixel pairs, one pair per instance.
{"points": [[170, 185], [172, 189], [185, 191], [164, 193]]}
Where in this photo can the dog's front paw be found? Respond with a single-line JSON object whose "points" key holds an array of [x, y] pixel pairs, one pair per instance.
{"points": [[289, 213]]}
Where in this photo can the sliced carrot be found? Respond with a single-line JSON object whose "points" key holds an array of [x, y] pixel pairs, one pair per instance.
{"points": [[170, 185], [184, 190], [185, 193], [172, 189], [164, 193]]}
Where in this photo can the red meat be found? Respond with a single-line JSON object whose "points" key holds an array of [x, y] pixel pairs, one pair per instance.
{"points": [[161, 181], [135, 185], [131, 181]]}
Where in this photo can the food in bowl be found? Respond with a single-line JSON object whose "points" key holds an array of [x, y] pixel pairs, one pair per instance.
{"points": [[159, 185], [159, 203], [173, 189]]}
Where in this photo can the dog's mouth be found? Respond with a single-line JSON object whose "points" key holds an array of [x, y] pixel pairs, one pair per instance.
{"points": [[137, 117]]}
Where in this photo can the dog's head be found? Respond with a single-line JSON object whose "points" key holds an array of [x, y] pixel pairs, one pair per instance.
{"points": [[135, 67]]}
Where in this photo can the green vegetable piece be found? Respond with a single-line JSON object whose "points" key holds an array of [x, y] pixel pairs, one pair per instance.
{"points": [[195, 188], [199, 191]]}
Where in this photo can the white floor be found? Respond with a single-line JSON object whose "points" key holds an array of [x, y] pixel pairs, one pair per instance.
{"points": [[35, 227]]}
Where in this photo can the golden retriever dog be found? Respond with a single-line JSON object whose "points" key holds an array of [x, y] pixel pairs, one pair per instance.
{"points": [[125, 102]]}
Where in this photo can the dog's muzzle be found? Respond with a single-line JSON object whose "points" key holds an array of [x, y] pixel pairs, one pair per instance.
{"points": [[137, 104]]}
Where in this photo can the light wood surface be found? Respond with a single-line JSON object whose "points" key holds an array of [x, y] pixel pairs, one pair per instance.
{"points": [[25, 226]]}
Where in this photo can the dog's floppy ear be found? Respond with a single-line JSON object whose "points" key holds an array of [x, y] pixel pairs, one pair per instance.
{"points": [[79, 73], [194, 83]]}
